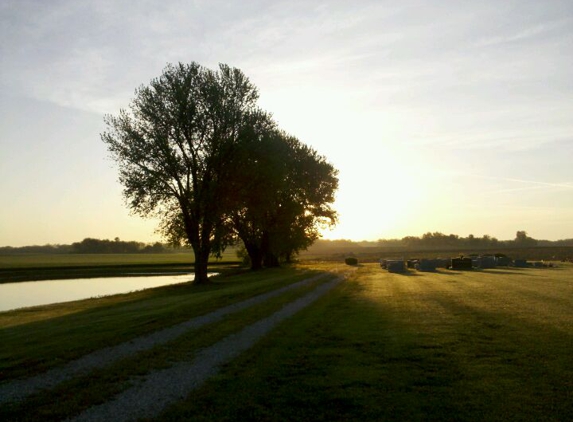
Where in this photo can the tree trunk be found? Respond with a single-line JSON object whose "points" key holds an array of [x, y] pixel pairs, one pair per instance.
{"points": [[201, 249], [271, 260], [255, 256], [201, 264]]}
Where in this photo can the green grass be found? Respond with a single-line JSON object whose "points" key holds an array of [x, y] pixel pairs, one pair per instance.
{"points": [[74, 396], [35, 339], [491, 345], [374, 253], [83, 260], [28, 267]]}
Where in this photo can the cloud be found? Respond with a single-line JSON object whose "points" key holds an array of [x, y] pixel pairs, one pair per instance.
{"points": [[530, 183], [522, 35]]}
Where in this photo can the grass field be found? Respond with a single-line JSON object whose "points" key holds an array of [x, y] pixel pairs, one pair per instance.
{"points": [[492, 345], [27, 267], [83, 260], [373, 253], [480, 345]]}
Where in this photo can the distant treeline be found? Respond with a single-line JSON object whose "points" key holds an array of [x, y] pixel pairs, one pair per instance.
{"points": [[429, 241], [91, 246], [437, 241]]}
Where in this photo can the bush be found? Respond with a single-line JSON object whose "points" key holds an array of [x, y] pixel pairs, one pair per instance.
{"points": [[351, 261]]}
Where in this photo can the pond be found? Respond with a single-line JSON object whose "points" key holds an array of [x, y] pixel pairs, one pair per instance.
{"points": [[33, 293]]}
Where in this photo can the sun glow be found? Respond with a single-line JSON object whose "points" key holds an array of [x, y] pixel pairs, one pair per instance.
{"points": [[378, 197], [381, 186]]}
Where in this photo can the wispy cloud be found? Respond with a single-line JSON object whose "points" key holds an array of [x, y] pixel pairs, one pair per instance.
{"points": [[517, 139], [522, 35], [530, 183]]}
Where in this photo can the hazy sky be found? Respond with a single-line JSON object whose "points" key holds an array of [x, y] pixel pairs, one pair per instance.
{"points": [[452, 116]]}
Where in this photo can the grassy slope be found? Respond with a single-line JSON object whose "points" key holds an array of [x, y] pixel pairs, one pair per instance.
{"points": [[489, 345]]}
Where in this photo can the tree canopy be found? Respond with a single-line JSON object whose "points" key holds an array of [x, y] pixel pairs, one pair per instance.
{"points": [[284, 191], [196, 151]]}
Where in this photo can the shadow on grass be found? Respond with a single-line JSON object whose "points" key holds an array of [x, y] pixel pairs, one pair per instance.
{"points": [[396, 359], [406, 273], [517, 271], [443, 271], [409, 273]]}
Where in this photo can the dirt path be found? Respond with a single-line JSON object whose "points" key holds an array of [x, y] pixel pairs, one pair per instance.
{"points": [[18, 390]]}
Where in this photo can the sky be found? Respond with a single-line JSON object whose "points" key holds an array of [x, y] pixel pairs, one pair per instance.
{"points": [[448, 115]]}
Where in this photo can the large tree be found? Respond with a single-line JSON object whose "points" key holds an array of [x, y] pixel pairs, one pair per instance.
{"points": [[175, 148], [304, 201], [284, 194]]}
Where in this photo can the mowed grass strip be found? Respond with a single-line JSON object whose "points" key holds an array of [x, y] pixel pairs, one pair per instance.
{"points": [[82, 260], [73, 397], [33, 340], [486, 345], [30, 267]]}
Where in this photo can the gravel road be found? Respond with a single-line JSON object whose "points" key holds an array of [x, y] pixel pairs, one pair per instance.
{"points": [[152, 393]]}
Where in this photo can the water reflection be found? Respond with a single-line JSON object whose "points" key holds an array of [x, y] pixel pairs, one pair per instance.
{"points": [[33, 293]]}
